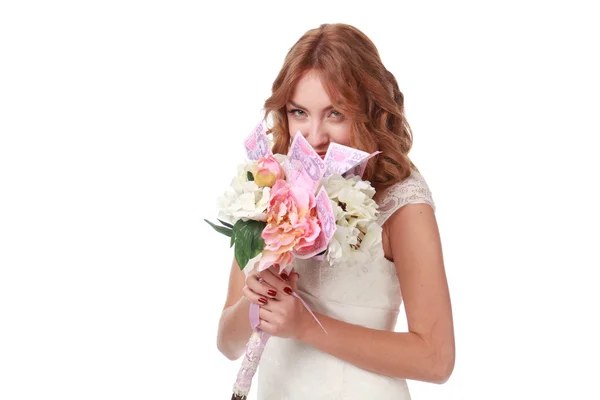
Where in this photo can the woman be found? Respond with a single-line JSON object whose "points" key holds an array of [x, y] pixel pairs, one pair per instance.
{"points": [[333, 87]]}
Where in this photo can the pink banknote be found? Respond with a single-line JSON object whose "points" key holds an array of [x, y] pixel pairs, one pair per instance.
{"points": [[296, 175], [341, 159], [257, 144], [304, 158], [359, 169], [325, 213]]}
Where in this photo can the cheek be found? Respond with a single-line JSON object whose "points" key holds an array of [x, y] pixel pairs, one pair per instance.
{"points": [[340, 134], [293, 127]]}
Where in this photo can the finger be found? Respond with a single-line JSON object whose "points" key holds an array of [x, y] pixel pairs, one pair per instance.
{"points": [[283, 287], [284, 275], [268, 321], [254, 297], [266, 314], [273, 279], [262, 288], [294, 281], [275, 270], [267, 327], [280, 285]]}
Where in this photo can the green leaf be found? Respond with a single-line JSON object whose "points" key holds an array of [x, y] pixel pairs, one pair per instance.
{"points": [[225, 223], [250, 176], [248, 240], [221, 229]]}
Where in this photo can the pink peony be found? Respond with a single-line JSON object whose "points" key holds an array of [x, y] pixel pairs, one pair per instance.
{"points": [[267, 171], [292, 224]]}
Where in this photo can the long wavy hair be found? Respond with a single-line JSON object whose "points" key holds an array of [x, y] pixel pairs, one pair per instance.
{"points": [[359, 86]]}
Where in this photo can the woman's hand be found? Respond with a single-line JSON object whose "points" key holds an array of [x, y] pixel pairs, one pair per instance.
{"points": [[281, 314]]}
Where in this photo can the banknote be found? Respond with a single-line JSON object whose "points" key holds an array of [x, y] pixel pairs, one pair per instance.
{"points": [[256, 143], [340, 159], [296, 175], [325, 214], [302, 153], [359, 169]]}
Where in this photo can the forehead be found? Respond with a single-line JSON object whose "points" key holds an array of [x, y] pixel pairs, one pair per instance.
{"points": [[310, 92]]}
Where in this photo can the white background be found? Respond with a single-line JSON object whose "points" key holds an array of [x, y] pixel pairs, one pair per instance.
{"points": [[121, 122]]}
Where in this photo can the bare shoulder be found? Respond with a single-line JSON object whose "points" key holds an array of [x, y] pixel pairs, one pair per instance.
{"points": [[405, 206], [412, 228], [412, 190]]}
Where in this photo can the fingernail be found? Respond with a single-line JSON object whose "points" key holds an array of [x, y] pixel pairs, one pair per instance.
{"points": [[285, 276], [288, 290], [271, 292], [262, 300]]}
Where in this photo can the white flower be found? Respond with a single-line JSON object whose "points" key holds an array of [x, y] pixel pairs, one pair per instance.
{"points": [[354, 246], [357, 238], [354, 196], [281, 158], [245, 200]]}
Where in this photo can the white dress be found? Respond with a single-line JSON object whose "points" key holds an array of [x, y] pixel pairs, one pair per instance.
{"points": [[367, 295]]}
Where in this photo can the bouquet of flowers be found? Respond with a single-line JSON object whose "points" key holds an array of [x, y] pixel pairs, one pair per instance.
{"points": [[299, 205]]}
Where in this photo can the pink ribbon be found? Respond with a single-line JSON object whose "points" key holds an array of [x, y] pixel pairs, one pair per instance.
{"points": [[309, 310], [254, 319]]}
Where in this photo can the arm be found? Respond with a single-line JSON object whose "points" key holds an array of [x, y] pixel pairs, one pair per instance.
{"points": [[426, 351], [234, 325]]}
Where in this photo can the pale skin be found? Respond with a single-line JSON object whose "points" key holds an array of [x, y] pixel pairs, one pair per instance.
{"points": [[411, 240]]}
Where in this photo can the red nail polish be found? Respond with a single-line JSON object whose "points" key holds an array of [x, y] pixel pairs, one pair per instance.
{"points": [[288, 290], [271, 292], [262, 300], [284, 276]]}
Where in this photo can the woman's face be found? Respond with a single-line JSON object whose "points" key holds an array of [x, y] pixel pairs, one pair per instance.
{"points": [[310, 112]]}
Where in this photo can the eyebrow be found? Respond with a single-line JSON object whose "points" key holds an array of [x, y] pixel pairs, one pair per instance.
{"points": [[304, 108]]}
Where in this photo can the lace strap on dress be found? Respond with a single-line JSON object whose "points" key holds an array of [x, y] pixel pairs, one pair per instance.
{"points": [[412, 190]]}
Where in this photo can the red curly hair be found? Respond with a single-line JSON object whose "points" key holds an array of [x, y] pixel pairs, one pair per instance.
{"points": [[360, 87]]}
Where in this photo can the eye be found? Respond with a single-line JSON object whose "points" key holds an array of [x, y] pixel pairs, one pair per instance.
{"points": [[297, 112], [336, 114]]}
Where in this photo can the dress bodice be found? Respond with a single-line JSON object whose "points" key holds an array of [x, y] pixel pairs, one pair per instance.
{"points": [[365, 294]]}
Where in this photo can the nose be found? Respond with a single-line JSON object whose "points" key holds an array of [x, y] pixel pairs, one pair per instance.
{"points": [[317, 136]]}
